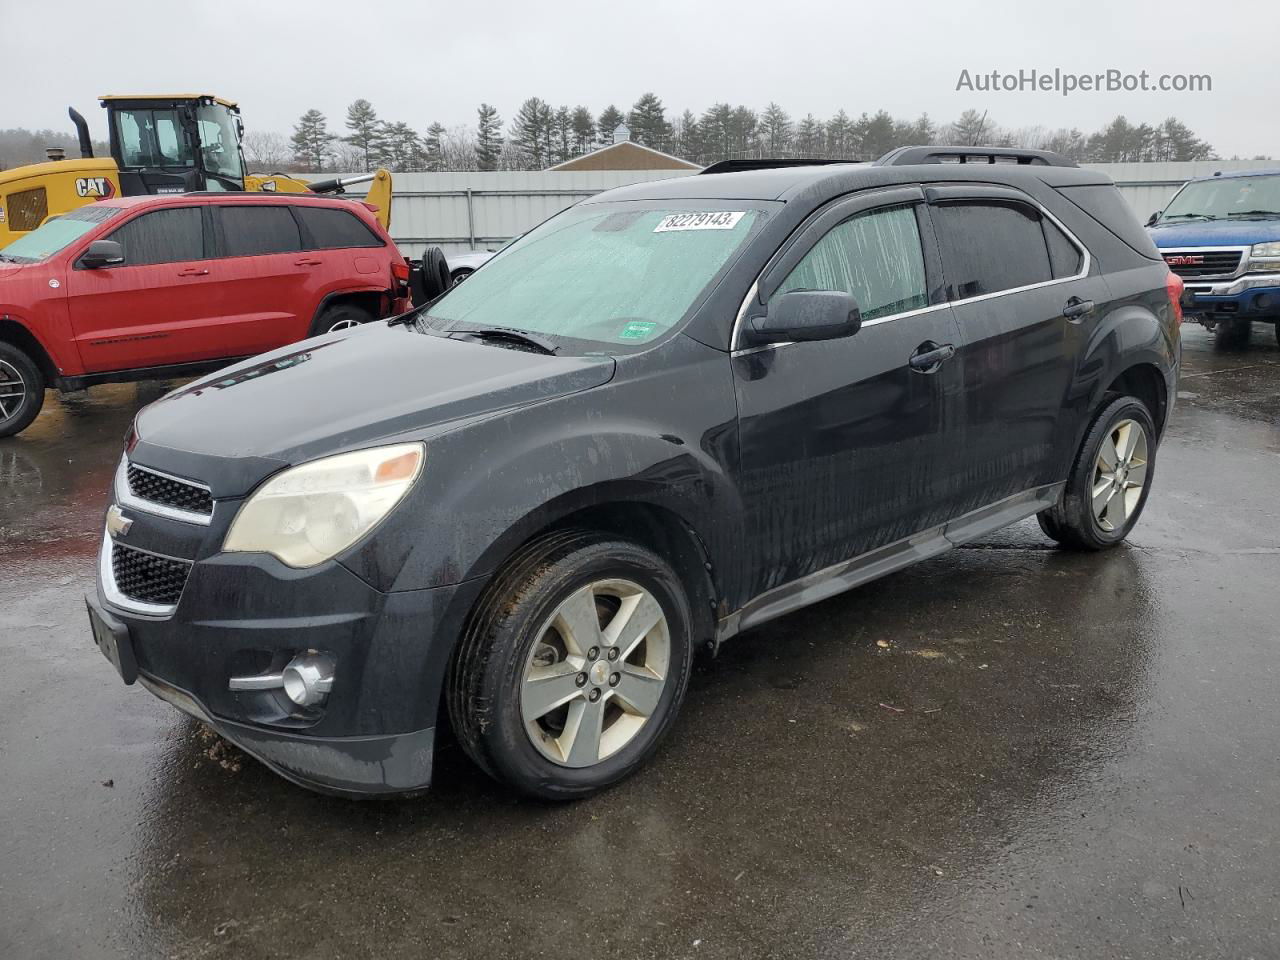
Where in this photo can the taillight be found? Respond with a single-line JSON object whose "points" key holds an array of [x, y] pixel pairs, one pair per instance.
{"points": [[1173, 285], [400, 274]]}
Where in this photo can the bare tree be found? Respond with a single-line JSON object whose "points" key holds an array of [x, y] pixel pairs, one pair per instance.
{"points": [[266, 151]]}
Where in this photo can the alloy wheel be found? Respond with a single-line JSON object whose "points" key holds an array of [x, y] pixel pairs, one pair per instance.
{"points": [[13, 390], [596, 672], [1119, 475]]}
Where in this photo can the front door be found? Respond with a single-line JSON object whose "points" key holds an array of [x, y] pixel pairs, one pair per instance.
{"points": [[152, 310], [845, 446]]}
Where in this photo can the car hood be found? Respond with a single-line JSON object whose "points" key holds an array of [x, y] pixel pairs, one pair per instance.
{"points": [[1215, 233], [337, 393]]}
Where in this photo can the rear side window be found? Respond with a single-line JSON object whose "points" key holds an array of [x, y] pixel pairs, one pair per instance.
{"points": [[1064, 256], [331, 229], [875, 256], [989, 247], [162, 236], [1104, 203], [253, 230]]}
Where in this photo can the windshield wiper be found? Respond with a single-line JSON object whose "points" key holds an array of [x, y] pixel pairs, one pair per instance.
{"points": [[1252, 213], [1187, 216], [500, 334]]}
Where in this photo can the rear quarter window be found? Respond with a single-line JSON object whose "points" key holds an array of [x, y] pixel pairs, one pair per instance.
{"points": [[253, 230], [331, 229], [1104, 204]]}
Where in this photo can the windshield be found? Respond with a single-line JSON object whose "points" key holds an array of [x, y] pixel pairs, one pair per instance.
{"points": [[219, 141], [1226, 197], [57, 234], [618, 274], [152, 138]]}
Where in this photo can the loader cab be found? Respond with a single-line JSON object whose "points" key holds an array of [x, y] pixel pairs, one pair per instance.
{"points": [[175, 143]]}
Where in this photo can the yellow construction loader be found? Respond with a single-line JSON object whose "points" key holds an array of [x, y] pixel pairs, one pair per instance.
{"points": [[160, 143]]}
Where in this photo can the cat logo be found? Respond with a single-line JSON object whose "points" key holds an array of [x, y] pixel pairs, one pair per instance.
{"points": [[99, 188]]}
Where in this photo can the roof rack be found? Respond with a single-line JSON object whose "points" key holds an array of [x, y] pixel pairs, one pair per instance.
{"points": [[737, 166], [905, 156]]}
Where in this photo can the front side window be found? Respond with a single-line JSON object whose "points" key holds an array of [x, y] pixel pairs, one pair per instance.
{"points": [[172, 235], [613, 274], [152, 138], [251, 230], [57, 234], [989, 247], [874, 256]]}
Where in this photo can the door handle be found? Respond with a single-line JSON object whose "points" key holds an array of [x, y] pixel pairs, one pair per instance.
{"points": [[929, 356], [308, 262], [1077, 309], [194, 272]]}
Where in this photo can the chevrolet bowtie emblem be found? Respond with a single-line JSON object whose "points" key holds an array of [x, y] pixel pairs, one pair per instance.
{"points": [[117, 523]]}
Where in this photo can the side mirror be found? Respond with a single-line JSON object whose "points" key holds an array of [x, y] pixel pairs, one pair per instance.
{"points": [[102, 253], [808, 315], [1151, 220]]}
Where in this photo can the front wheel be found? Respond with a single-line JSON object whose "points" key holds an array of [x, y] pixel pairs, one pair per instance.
{"points": [[573, 666], [21, 390], [1109, 481], [1232, 334]]}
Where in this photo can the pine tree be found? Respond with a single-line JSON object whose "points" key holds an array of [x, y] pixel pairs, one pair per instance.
{"points": [[488, 137], [775, 130], [648, 122], [609, 121], [972, 129], [400, 148], [686, 137], [840, 136], [366, 130], [584, 130], [716, 126], [874, 136], [311, 140], [562, 135], [530, 132], [809, 138], [433, 146]]}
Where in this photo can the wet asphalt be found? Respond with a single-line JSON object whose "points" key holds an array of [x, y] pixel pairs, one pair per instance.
{"points": [[1008, 751]]}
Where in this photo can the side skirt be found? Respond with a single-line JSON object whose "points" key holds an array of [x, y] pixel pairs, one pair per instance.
{"points": [[887, 559], [173, 371]]}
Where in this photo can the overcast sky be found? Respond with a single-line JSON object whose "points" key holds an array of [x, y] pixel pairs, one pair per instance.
{"points": [[425, 61]]}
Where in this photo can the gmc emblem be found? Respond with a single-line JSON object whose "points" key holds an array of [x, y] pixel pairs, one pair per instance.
{"points": [[1184, 260]]}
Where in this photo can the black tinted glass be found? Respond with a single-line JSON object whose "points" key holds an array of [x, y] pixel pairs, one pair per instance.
{"points": [[162, 236], [989, 247], [249, 231], [331, 229], [1062, 252]]}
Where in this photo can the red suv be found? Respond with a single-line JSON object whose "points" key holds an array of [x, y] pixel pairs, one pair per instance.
{"points": [[172, 286]]}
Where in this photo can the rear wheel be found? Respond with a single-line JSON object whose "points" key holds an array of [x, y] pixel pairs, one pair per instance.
{"points": [[1232, 334], [341, 316], [573, 666], [1109, 482], [21, 390]]}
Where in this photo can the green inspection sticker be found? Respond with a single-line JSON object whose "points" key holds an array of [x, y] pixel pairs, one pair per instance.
{"points": [[637, 330]]}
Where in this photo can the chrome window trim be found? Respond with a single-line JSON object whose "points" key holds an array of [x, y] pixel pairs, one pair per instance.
{"points": [[1241, 268], [1086, 264], [126, 498], [107, 577]]}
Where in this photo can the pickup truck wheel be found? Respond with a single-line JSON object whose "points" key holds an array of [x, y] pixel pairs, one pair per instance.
{"points": [[21, 390], [573, 665], [1232, 334], [1110, 481], [341, 316]]}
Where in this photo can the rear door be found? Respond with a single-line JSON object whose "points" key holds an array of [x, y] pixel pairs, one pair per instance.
{"points": [[1020, 288], [155, 309], [844, 446], [266, 286]]}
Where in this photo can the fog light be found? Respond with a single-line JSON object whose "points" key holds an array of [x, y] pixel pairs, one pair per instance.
{"points": [[308, 679]]}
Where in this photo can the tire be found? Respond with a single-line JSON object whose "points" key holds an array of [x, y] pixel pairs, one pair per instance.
{"points": [[527, 629], [341, 316], [459, 275], [433, 276], [1232, 334], [1073, 522], [22, 388]]}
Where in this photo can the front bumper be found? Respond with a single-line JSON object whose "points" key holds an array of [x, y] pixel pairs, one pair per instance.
{"points": [[1255, 296], [248, 614]]}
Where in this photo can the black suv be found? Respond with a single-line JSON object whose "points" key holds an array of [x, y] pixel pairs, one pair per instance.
{"points": [[670, 413]]}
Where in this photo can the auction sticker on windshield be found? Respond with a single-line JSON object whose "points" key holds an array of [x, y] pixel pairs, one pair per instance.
{"points": [[720, 220]]}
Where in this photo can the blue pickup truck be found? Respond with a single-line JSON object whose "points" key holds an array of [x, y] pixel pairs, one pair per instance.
{"points": [[1221, 234]]}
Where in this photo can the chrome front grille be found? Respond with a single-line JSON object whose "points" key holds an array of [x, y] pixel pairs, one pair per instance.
{"points": [[147, 577], [1190, 264]]}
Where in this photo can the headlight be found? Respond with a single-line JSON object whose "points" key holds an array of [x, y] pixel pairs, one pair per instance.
{"points": [[314, 511], [1266, 249]]}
